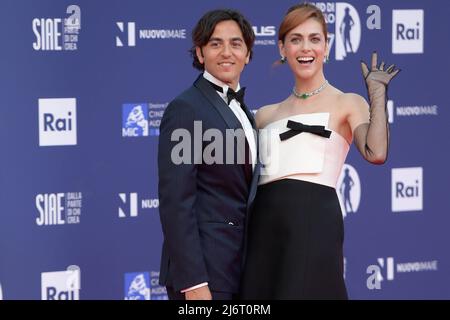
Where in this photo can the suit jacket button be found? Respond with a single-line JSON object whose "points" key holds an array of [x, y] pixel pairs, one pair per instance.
{"points": [[231, 223]]}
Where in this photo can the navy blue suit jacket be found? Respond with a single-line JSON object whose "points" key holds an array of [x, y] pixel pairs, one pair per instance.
{"points": [[203, 207]]}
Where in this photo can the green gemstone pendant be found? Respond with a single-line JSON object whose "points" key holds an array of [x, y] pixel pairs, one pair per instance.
{"points": [[306, 95]]}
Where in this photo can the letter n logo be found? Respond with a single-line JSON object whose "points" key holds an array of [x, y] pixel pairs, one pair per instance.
{"points": [[131, 34]]}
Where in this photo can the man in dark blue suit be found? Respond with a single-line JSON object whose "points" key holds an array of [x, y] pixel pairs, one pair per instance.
{"points": [[206, 186]]}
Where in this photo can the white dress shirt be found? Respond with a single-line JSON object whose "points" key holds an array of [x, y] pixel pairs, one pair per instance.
{"points": [[240, 114]]}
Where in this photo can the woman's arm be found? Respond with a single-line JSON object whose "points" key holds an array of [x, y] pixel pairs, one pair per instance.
{"points": [[372, 137]]}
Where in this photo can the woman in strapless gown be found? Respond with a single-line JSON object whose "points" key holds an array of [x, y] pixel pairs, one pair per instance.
{"points": [[294, 245]]}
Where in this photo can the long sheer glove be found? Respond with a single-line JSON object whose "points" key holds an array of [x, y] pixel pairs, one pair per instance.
{"points": [[372, 139]]}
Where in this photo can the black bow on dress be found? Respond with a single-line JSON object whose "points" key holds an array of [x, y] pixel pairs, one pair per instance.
{"points": [[298, 127]]}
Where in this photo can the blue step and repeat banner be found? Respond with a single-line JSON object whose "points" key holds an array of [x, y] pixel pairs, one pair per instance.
{"points": [[84, 84]]}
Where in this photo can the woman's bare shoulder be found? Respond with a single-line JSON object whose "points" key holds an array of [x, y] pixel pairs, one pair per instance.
{"points": [[265, 114], [350, 98]]}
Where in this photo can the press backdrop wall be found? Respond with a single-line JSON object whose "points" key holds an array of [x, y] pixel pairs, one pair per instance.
{"points": [[83, 86]]}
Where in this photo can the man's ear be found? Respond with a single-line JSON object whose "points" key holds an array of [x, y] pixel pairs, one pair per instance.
{"points": [[199, 53]]}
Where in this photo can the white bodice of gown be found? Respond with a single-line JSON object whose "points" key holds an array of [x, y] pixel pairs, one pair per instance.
{"points": [[305, 156]]}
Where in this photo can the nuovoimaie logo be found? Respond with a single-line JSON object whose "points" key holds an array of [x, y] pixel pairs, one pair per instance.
{"points": [[387, 268], [128, 34], [131, 204]]}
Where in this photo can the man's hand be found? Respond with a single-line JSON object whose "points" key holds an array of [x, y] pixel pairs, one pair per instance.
{"points": [[201, 293]]}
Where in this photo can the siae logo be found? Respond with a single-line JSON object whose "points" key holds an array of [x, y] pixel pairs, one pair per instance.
{"points": [[61, 285], [56, 34], [58, 208], [407, 31], [57, 122], [407, 189], [51, 208]]}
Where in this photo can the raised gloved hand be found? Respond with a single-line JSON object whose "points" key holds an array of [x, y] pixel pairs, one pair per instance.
{"points": [[372, 139], [377, 80]]}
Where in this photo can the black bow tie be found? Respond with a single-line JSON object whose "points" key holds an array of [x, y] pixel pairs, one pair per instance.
{"points": [[231, 94], [298, 127]]}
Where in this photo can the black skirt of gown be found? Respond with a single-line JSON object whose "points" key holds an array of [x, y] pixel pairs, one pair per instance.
{"points": [[295, 243]]}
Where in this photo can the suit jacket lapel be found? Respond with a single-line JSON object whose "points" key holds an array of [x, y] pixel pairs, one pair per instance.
{"points": [[228, 116], [217, 102], [249, 116]]}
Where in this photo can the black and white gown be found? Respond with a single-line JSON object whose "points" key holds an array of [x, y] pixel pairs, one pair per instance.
{"points": [[295, 232]]}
